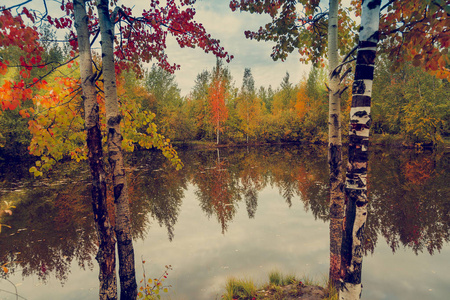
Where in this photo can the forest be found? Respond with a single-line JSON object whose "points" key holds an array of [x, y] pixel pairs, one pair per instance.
{"points": [[108, 87], [410, 107]]}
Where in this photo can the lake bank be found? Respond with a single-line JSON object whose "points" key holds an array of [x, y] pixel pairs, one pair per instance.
{"points": [[383, 140], [280, 286]]}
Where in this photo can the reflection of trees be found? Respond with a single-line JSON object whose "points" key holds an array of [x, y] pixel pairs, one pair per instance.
{"points": [[155, 188], [216, 190], [409, 202], [294, 170], [408, 192], [50, 227], [251, 173], [302, 171]]}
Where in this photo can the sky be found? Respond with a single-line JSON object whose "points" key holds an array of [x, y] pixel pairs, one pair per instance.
{"points": [[229, 27]]}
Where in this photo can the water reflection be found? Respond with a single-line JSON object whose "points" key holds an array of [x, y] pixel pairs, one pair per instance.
{"points": [[156, 191], [409, 201], [216, 190], [50, 227], [52, 224]]}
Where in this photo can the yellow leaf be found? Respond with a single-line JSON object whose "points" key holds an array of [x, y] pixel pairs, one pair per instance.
{"points": [[5, 269]]}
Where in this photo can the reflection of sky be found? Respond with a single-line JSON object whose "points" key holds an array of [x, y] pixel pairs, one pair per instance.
{"points": [[279, 237], [404, 275], [203, 258]]}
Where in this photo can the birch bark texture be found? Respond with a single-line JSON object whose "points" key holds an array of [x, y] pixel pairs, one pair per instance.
{"points": [[106, 255], [127, 274], [335, 147], [356, 177]]}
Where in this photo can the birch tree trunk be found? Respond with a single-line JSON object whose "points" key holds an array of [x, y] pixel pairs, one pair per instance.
{"points": [[106, 255], [356, 181], [335, 148], [128, 286]]}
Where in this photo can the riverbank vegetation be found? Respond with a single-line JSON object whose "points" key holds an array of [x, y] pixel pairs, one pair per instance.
{"points": [[280, 286]]}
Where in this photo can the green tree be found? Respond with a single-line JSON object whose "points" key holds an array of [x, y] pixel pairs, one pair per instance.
{"points": [[198, 106], [284, 99], [266, 96], [248, 105], [410, 102], [166, 102]]}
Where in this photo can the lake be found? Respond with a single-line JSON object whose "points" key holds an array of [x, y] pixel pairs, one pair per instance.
{"points": [[239, 212]]}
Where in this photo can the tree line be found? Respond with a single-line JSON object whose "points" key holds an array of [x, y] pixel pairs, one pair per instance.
{"points": [[409, 103]]}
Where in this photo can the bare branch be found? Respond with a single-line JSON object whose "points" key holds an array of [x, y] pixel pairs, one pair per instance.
{"points": [[14, 6], [345, 61], [345, 74], [387, 4], [342, 91]]}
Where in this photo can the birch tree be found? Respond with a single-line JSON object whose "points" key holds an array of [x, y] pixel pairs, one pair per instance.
{"points": [[106, 254], [334, 145], [128, 285], [356, 176]]}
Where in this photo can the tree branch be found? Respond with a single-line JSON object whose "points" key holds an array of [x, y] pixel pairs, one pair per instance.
{"points": [[387, 4], [17, 5]]}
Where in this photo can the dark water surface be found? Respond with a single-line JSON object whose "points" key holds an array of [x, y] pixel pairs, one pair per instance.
{"points": [[241, 212]]}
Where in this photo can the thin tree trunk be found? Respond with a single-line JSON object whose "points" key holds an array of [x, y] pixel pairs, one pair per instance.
{"points": [[335, 148], [218, 127], [248, 121], [106, 255], [128, 286], [356, 181]]}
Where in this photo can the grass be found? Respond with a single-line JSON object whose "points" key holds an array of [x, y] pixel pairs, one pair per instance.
{"points": [[279, 287], [278, 279], [239, 289]]}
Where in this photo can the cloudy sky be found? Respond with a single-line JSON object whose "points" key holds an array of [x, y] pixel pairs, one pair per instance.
{"points": [[229, 27]]}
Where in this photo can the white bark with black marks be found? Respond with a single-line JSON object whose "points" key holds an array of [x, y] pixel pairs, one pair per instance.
{"points": [[106, 255], [356, 178], [335, 146], [127, 274]]}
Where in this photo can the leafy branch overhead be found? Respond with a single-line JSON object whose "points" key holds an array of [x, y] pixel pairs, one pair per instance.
{"points": [[298, 25], [143, 38], [416, 31]]}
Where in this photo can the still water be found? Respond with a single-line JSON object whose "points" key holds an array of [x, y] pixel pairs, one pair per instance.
{"points": [[239, 212]]}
